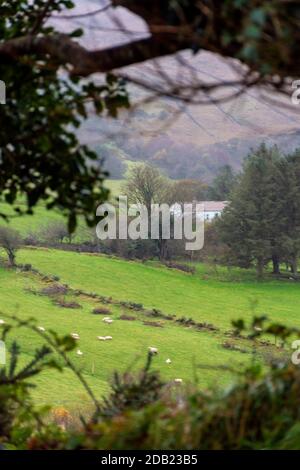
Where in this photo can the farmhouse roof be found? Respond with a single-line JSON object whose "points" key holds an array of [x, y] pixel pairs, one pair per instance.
{"points": [[214, 206]]}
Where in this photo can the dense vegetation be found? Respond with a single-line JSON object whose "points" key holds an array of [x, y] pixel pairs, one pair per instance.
{"points": [[143, 412], [262, 221]]}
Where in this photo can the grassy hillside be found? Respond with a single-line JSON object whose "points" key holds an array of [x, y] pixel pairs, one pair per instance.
{"points": [[42, 218], [205, 297], [114, 186], [129, 346]]}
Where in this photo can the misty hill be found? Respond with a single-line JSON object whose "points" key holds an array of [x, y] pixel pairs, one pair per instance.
{"points": [[184, 141]]}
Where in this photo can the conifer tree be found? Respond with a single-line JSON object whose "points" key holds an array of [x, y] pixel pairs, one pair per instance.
{"points": [[252, 225]]}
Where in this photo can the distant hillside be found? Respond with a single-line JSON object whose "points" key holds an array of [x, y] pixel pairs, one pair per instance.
{"points": [[202, 138], [179, 159]]}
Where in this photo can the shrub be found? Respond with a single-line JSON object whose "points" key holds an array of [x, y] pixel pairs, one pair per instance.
{"points": [[101, 311], [153, 323], [261, 410], [155, 313], [67, 304], [54, 290], [181, 267], [25, 267], [233, 347], [206, 326], [127, 317], [133, 392]]}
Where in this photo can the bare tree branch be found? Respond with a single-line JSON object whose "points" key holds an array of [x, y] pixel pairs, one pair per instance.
{"points": [[83, 15], [64, 50]]}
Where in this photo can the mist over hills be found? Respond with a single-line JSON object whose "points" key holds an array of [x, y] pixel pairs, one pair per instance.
{"points": [[194, 143]]}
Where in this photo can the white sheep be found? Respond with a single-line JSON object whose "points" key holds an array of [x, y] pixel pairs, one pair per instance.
{"points": [[79, 353], [2, 322], [41, 328], [75, 336], [178, 381], [101, 338], [108, 338], [168, 361], [153, 350], [108, 320]]}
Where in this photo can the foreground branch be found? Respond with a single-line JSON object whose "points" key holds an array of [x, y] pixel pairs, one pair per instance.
{"points": [[64, 51]]}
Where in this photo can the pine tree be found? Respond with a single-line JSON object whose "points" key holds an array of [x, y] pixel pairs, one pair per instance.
{"points": [[291, 209], [252, 222]]}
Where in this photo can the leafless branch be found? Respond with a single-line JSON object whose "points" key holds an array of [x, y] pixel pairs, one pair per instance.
{"points": [[83, 15]]}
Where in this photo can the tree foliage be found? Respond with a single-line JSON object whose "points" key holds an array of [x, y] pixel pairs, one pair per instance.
{"points": [[10, 241], [262, 222], [222, 184], [41, 156], [259, 411]]}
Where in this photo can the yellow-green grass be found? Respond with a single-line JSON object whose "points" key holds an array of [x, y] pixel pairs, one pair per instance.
{"points": [[131, 340], [42, 218], [27, 224], [115, 187], [207, 297], [201, 296]]}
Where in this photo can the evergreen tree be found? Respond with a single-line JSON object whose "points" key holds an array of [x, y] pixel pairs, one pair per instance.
{"points": [[290, 170], [222, 185], [252, 224]]}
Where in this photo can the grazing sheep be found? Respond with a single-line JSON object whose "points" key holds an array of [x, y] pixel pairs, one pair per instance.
{"points": [[257, 328], [101, 338], [75, 336], [168, 361], [2, 322], [108, 338], [41, 328], [153, 350], [178, 381], [79, 353], [108, 320]]}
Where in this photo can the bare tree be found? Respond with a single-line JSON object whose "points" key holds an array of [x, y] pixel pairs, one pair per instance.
{"points": [[56, 232], [146, 185], [188, 190], [10, 241]]}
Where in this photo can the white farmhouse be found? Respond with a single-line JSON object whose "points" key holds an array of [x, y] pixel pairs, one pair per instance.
{"points": [[213, 209], [209, 209]]}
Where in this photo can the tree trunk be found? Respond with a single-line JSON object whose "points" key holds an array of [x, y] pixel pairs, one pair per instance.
{"points": [[294, 265], [11, 258], [163, 249], [276, 264]]}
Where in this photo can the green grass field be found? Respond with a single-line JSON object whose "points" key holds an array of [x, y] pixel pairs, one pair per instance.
{"points": [[130, 343], [207, 296], [204, 296], [43, 218], [211, 295]]}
